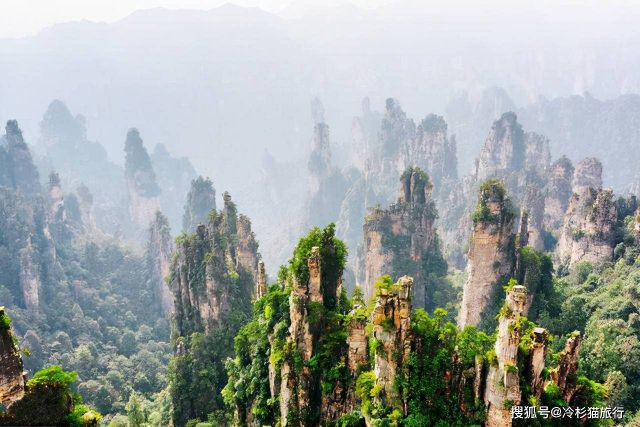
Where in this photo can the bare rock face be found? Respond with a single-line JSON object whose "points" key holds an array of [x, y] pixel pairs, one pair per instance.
{"points": [[142, 187], [327, 184], [391, 318], [12, 375], [564, 375], [296, 390], [533, 204], [159, 254], [204, 270], [433, 151], [557, 192], [30, 281], [261, 283], [490, 257], [503, 149], [503, 380], [535, 362], [402, 237], [587, 233], [588, 174]]}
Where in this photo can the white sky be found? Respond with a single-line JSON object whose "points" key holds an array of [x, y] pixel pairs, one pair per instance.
{"points": [[20, 18]]}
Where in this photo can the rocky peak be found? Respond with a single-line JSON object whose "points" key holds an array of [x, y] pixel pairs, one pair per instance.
{"points": [[564, 375], [158, 255], [432, 150], [533, 204], [141, 181], [201, 200], [391, 318], [587, 174], [503, 380], [12, 375], [490, 253], [327, 184], [399, 240], [396, 130], [320, 159], [21, 174], [207, 265], [557, 192], [261, 283], [588, 228], [59, 126], [503, 149]]}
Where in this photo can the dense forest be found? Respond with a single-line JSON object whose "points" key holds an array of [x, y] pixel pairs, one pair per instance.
{"points": [[413, 296]]}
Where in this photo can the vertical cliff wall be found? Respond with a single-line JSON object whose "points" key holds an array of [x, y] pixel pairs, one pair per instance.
{"points": [[12, 375], [402, 239], [212, 278], [142, 187], [491, 252], [588, 229], [503, 380], [159, 253]]}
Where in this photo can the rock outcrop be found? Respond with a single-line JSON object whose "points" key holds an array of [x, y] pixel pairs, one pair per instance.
{"points": [[142, 187], [206, 264], [201, 200], [391, 319], [564, 375], [533, 204], [327, 184], [30, 281], [490, 252], [503, 380], [400, 240], [398, 145], [557, 193], [12, 375], [212, 277], [174, 176], [433, 151], [588, 229], [158, 256], [15, 158], [587, 174]]}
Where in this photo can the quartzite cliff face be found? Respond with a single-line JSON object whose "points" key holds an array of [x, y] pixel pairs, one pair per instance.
{"points": [[402, 239], [490, 253], [223, 249], [213, 279], [588, 230], [12, 375]]}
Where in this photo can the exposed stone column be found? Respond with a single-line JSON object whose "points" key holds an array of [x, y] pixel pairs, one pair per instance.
{"points": [[567, 366], [315, 290], [261, 284], [557, 193], [587, 234], [535, 363], [503, 380], [489, 257], [12, 375], [391, 318], [29, 278]]}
